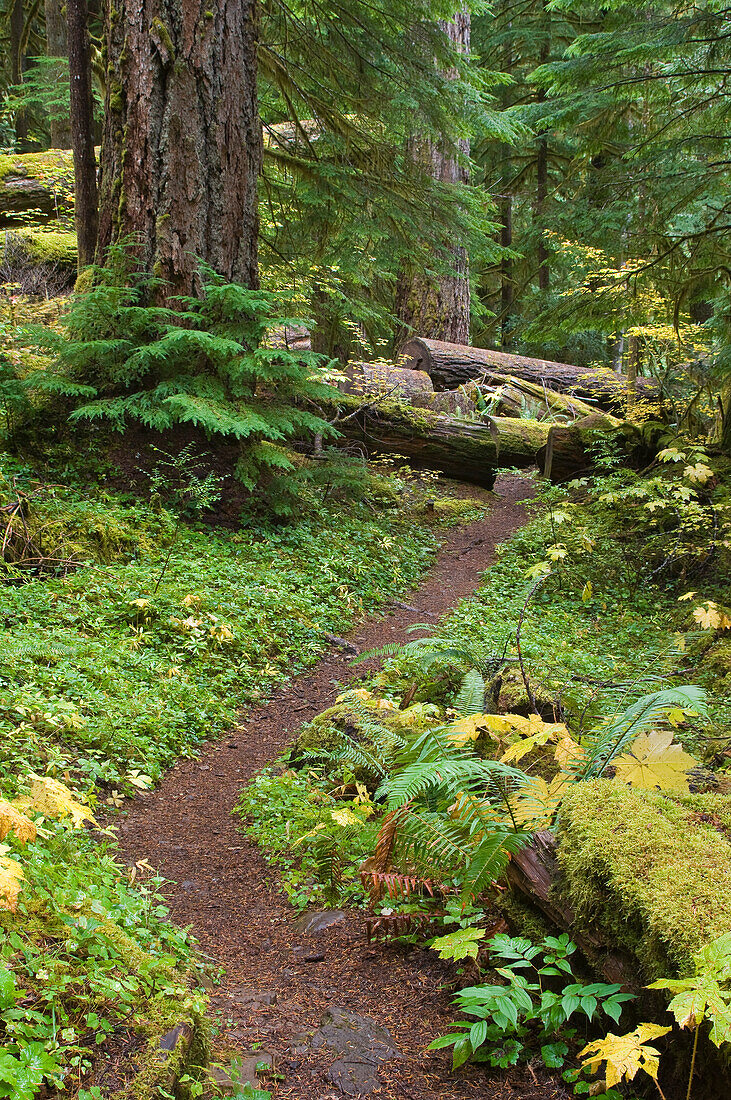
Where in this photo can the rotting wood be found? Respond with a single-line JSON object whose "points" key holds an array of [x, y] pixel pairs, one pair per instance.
{"points": [[533, 873]]}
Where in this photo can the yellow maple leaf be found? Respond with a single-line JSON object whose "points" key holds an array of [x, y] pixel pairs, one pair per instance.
{"points": [[625, 1054], [346, 818], [708, 617], [534, 805], [13, 821], [655, 763], [11, 880], [54, 799], [569, 753]]}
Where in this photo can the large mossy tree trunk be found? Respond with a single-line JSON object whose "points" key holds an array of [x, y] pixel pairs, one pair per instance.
{"points": [[182, 142], [438, 305]]}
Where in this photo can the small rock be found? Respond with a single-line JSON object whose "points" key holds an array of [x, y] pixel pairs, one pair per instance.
{"points": [[361, 1045], [223, 1081], [246, 995], [189, 884], [309, 924], [247, 1063], [304, 954], [171, 1038]]}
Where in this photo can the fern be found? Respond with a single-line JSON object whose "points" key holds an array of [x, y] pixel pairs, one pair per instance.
{"points": [[613, 737], [471, 697]]}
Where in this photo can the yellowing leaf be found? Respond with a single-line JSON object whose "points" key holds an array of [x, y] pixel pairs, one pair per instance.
{"points": [[569, 753], [521, 748], [586, 592], [534, 805], [13, 821], [655, 763], [53, 799], [625, 1054], [698, 474], [346, 818], [687, 596], [11, 879], [712, 617]]}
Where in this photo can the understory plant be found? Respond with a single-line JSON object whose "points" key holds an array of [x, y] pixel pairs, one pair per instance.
{"points": [[202, 364], [537, 997]]}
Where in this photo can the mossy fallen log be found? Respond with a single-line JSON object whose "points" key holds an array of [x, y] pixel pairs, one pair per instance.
{"points": [[36, 184], [639, 879], [466, 449], [451, 365], [473, 450]]}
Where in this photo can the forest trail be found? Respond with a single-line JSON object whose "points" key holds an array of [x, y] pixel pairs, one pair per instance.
{"points": [[280, 981]]}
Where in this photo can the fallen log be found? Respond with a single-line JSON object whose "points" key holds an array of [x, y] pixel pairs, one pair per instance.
{"points": [[371, 378], [451, 365], [533, 873], [467, 449], [511, 396]]}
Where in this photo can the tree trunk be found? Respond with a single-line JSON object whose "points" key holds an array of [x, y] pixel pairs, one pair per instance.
{"points": [[17, 67], [439, 305], [544, 274], [182, 142], [506, 271], [82, 131], [57, 46], [451, 365]]}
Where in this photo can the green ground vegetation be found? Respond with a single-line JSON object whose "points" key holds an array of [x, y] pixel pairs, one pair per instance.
{"points": [[131, 633], [584, 688]]}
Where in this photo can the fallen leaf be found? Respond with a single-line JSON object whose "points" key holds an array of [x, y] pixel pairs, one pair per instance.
{"points": [[655, 763]]}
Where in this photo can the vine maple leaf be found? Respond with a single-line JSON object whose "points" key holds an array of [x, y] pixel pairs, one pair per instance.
{"points": [[54, 799], [11, 880], [13, 821], [706, 994], [655, 763], [625, 1055]]}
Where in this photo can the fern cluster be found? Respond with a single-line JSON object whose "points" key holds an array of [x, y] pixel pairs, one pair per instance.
{"points": [[204, 365]]}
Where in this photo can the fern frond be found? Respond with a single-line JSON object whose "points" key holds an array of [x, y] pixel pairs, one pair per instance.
{"points": [[471, 697]]}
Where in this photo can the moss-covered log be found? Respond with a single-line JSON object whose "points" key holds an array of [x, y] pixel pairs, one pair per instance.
{"points": [[469, 450], [41, 184], [451, 365], [639, 879]]}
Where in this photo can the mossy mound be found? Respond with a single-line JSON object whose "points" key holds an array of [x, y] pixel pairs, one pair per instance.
{"points": [[648, 872], [47, 246]]}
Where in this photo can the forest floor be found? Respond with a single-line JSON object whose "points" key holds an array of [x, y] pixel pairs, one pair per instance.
{"points": [[279, 981]]}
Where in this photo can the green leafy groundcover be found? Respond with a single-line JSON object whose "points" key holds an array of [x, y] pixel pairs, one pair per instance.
{"points": [[104, 681]]}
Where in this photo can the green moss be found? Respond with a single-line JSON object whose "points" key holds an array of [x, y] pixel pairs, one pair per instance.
{"points": [[645, 870], [37, 165], [46, 246]]}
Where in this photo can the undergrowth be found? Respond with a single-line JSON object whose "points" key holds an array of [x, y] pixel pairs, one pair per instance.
{"points": [[140, 638]]}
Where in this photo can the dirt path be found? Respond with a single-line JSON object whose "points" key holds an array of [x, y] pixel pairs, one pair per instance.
{"points": [[278, 981]]}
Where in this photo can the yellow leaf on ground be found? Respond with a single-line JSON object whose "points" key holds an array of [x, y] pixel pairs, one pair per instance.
{"points": [[13, 821], [569, 753], [655, 763], [11, 879], [625, 1054], [54, 799]]}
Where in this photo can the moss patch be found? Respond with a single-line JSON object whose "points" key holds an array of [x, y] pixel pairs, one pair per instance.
{"points": [[647, 871], [47, 246]]}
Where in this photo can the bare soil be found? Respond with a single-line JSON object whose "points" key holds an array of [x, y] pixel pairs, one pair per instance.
{"points": [[220, 885]]}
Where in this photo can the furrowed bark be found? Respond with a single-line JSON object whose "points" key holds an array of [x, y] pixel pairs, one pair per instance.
{"points": [[182, 144], [439, 305], [57, 46]]}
